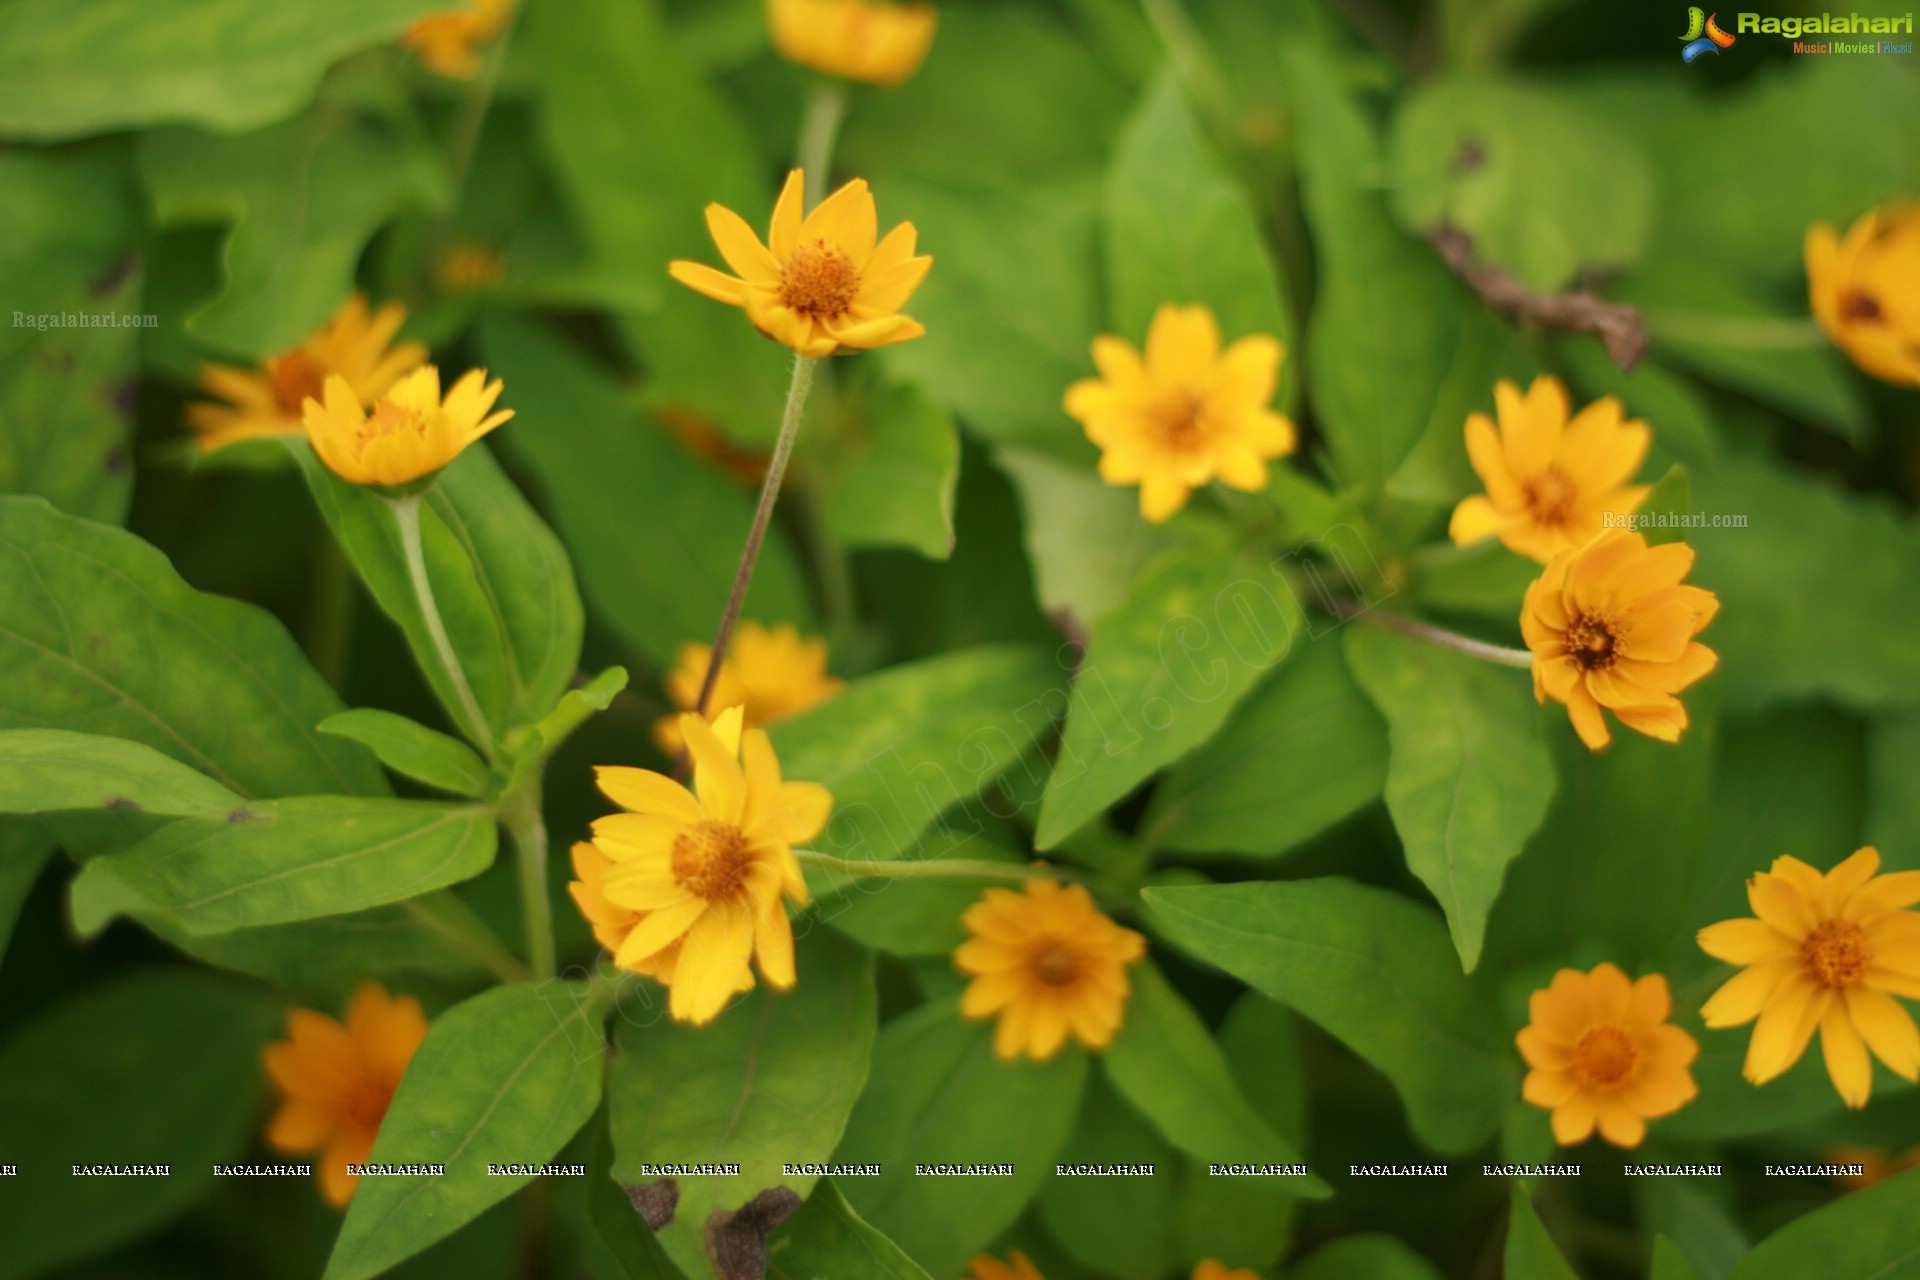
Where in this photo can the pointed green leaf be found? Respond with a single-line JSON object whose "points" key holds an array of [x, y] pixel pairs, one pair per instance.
{"points": [[1669, 1263], [1364, 1257], [1531, 1253], [1122, 1226], [1084, 537], [1874, 1233], [1468, 774], [827, 1238], [287, 860], [505, 1078], [1375, 970], [409, 747], [50, 770], [576, 705], [888, 477]]}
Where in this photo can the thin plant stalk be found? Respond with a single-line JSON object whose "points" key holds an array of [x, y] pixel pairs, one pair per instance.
{"points": [[1446, 639], [406, 513], [928, 868], [529, 831], [819, 130]]}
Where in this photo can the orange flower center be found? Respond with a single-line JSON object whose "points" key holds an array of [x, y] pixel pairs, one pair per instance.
{"points": [[1604, 1058], [1549, 496], [711, 860], [295, 378], [1056, 964], [1836, 954], [1176, 421], [1860, 305], [390, 419], [819, 280], [1592, 641]]}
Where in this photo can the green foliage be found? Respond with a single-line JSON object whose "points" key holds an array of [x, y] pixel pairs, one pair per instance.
{"points": [[1872, 1233], [828, 1236], [50, 770], [410, 748], [1365, 1257], [887, 476], [1531, 1253], [1669, 1263]]}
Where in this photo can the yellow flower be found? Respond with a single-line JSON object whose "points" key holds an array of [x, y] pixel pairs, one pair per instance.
{"points": [[409, 433], [1829, 953], [1211, 1269], [267, 400], [772, 673], [336, 1081], [448, 42], [469, 266], [706, 868], [1187, 414], [1611, 626], [1865, 291], [854, 39], [821, 283], [1549, 480], [1602, 1051], [1046, 962], [1016, 1267], [612, 924]]}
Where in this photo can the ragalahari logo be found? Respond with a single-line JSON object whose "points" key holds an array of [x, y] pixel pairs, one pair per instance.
{"points": [[1703, 34]]}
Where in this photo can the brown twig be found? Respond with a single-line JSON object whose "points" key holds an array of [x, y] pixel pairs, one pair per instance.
{"points": [[1618, 325]]}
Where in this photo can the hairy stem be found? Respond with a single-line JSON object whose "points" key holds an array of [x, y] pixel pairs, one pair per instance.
{"points": [[406, 513], [1433, 635], [909, 869], [529, 831]]}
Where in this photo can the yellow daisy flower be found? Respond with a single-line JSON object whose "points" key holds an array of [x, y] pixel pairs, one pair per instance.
{"points": [[1826, 953], [1610, 625], [1212, 1269], [469, 266], [1549, 480], [612, 925], [356, 344], [855, 39], [820, 283], [773, 673], [1016, 1267], [336, 1080], [707, 868], [1187, 414], [1603, 1053], [410, 432], [1045, 962], [448, 43], [1865, 291]]}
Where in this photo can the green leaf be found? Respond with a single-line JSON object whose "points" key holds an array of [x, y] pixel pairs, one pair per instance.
{"points": [[50, 770], [1672, 494], [1165, 1062], [1179, 230], [1875, 1232], [1531, 1253], [769, 1083], [888, 476], [101, 636], [410, 748], [900, 748], [938, 1095], [1162, 673], [429, 933], [151, 1066], [73, 67], [1375, 971], [286, 860], [1893, 821], [1669, 1263], [1304, 751], [506, 1077], [827, 1238], [1545, 188], [616, 1222], [576, 706], [1364, 1257], [25, 847], [66, 217], [302, 198], [501, 581], [1482, 578], [697, 519], [1383, 329], [1468, 774], [1122, 1226], [1782, 583]]}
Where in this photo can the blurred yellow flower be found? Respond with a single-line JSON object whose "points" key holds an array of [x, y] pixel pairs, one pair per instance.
{"points": [[336, 1080], [1828, 953], [1601, 1051], [773, 673], [448, 42], [409, 433], [1016, 1267], [1187, 414], [705, 441], [1877, 1164], [1549, 479], [818, 284], [469, 266], [1212, 1269], [706, 868], [266, 401], [855, 39], [1045, 962], [1611, 626], [1865, 290]]}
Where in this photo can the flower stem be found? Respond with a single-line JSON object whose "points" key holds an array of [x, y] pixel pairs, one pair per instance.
{"points": [[529, 832], [819, 128], [909, 869], [1505, 657], [482, 948], [762, 515], [1753, 333], [406, 513]]}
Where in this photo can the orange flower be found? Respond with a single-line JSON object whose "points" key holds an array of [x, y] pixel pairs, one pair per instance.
{"points": [[1602, 1052], [1611, 626], [448, 42], [1016, 1267], [411, 432], [336, 1081], [1865, 291], [1211, 1269], [881, 44]]}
